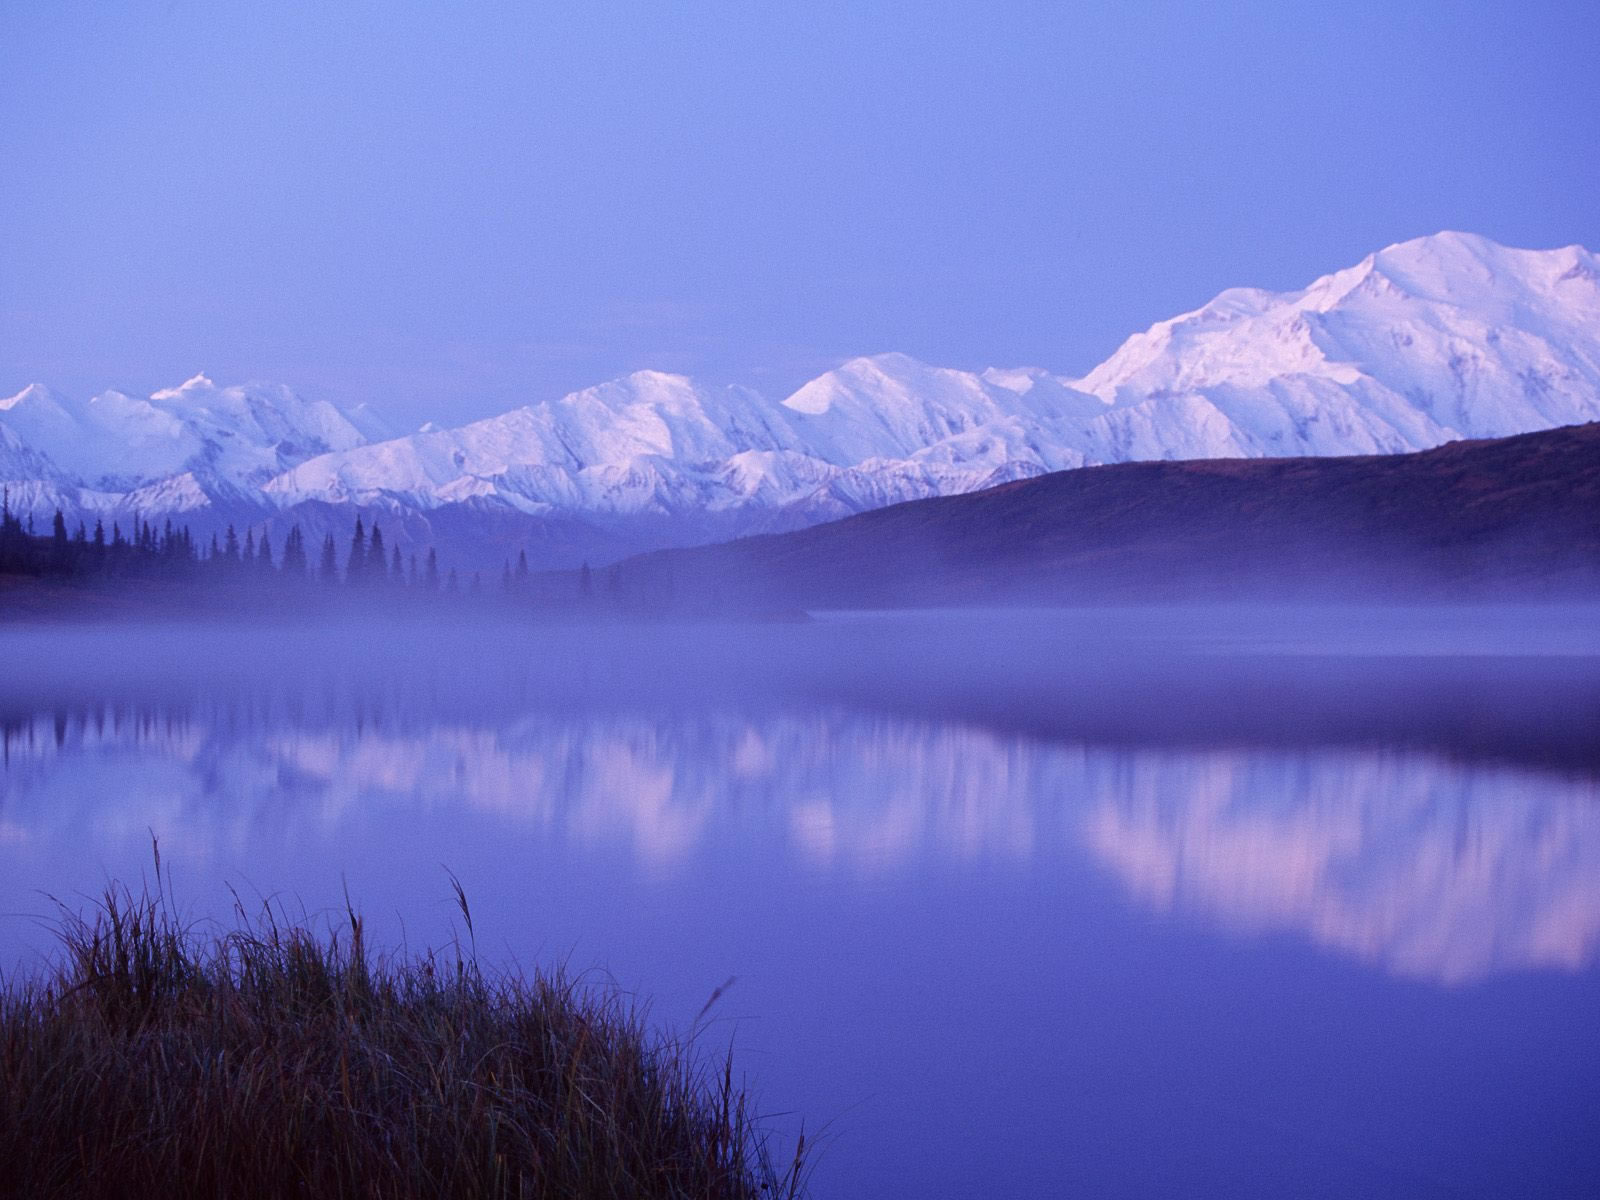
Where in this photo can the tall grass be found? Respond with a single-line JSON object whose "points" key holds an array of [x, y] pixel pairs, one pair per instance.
{"points": [[269, 1060]]}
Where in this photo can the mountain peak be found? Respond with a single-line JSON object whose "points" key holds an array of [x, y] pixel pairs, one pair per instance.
{"points": [[34, 393], [1445, 241], [888, 362], [648, 377], [853, 377], [1470, 270], [199, 382]]}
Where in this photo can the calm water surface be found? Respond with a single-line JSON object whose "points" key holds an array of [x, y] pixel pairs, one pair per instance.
{"points": [[1027, 905]]}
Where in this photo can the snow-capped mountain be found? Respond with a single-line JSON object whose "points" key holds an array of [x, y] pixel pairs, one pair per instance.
{"points": [[1430, 340], [236, 437], [1443, 337], [598, 449]]}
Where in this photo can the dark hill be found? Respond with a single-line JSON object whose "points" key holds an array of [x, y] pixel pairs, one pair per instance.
{"points": [[1509, 516]]}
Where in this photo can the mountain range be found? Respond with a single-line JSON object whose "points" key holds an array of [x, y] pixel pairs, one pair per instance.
{"points": [[1441, 338]]}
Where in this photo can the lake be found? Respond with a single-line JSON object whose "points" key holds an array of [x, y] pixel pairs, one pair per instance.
{"points": [[1214, 902]]}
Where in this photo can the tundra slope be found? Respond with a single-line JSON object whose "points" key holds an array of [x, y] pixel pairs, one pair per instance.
{"points": [[1515, 517]]}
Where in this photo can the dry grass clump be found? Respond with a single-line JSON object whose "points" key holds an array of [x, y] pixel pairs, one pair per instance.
{"points": [[269, 1061]]}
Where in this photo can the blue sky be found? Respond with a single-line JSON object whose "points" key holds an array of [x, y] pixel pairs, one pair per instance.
{"points": [[450, 209]]}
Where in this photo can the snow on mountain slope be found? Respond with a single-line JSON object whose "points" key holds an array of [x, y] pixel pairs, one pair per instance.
{"points": [[872, 432], [1438, 338], [893, 407], [236, 437], [641, 443], [19, 462], [1426, 341]]}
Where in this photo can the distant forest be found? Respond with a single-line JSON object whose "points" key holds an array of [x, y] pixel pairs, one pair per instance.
{"points": [[94, 558]]}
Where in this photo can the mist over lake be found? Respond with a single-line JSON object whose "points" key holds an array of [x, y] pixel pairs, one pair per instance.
{"points": [[1240, 901]]}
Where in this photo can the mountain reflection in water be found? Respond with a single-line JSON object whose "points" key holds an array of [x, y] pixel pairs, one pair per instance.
{"points": [[1417, 864]]}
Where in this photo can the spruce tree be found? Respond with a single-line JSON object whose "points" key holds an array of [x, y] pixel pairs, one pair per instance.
{"points": [[10, 534], [119, 549], [433, 570], [355, 567], [294, 554], [58, 543], [377, 566], [328, 570]]}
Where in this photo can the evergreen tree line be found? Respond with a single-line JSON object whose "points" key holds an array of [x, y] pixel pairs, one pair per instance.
{"points": [[171, 552], [366, 563], [142, 550]]}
